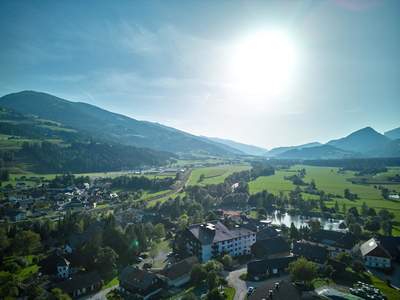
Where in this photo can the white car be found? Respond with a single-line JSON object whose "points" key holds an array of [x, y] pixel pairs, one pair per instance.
{"points": [[250, 290]]}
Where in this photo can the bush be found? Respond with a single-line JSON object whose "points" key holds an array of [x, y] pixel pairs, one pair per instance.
{"points": [[22, 261], [12, 267]]}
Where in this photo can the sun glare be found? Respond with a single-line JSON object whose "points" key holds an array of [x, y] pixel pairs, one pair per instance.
{"points": [[263, 63]]}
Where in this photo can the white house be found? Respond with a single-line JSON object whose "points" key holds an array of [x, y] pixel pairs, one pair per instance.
{"points": [[375, 255]]}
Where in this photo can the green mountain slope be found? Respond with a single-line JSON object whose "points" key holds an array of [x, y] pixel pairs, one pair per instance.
{"points": [[109, 126], [45, 146]]}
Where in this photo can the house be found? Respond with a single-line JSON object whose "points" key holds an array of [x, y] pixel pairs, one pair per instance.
{"points": [[375, 255], [81, 284], [212, 239], [267, 233], [57, 265], [315, 253], [15, 215], [269, 248], [280, 290], [335, 241], [133, 281], [392, 245], [178, 274], [266, 267]]}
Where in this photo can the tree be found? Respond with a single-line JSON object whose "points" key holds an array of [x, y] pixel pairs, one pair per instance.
{"points": [[355, 229], [344, 208], [59, 295], [372, 224], [344, 258], [303, 270], [336, 206], [159, 231], [293, 232], [387, 227], [215, 294], [313, 185], [189, 296], [227, 260], [364, 209], [212, 280], [198, 274], [26, 242], [315, 225], [106, 261], [213, 265]]}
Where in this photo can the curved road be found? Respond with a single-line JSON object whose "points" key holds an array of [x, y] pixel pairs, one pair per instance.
{"points": [[241, 286]]}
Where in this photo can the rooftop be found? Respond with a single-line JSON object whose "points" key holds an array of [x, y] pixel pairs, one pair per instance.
{"points": [[214, 232]]}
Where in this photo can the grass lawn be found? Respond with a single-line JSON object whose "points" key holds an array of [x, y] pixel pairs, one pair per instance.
{"points": [[273, 184], [26, 272], [214, 175], [196, 290], [229, 292], [390, 293], [111, 283], [152, 203]]}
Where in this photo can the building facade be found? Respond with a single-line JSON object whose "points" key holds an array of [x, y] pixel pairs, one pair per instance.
{"points": [[212, 239]]}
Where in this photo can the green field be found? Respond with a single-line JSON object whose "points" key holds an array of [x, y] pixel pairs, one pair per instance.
{"points": [[331, 181], [273, 184], [214, 175]]}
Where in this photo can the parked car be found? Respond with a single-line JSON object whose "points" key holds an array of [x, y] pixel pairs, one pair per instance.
{"points": [[250, 290]]}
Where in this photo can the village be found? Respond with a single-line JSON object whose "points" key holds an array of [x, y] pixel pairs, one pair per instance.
{"points": [[106, 246]]}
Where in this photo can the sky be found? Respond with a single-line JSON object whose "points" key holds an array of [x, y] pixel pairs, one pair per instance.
{"points": [[177, 63]]}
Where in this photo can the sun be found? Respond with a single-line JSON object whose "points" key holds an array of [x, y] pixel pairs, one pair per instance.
{"points": [[263, 63]]}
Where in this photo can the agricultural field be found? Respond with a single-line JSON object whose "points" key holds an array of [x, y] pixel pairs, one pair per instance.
{"points": [[214, 175], [330, 180], [273, 184]]}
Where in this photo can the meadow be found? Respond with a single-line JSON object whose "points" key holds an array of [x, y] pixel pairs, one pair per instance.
{"points": [[214, 175], [330, 180]]}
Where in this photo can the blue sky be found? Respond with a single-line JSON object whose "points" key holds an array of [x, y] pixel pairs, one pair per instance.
{"points": [[169, 62]]}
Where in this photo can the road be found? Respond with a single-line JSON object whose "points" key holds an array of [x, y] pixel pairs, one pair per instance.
{"points": [[100, 295], [241, 286]]}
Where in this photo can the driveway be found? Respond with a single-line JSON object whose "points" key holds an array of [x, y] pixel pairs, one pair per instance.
{"points": [[241, 286]]}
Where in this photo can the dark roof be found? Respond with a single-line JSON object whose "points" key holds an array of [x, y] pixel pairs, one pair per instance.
{"points": [[214, 232], [285, 291], [267, 233], [180, 269], [135, 278], [262, 266], [79, 281], [49, 264], [333, 238], [391, 244], [372, 247], [270, 246], [315, 253]]}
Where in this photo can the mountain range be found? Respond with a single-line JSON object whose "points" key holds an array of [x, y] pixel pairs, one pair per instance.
{"points": [[99, 125], [111, 127]]}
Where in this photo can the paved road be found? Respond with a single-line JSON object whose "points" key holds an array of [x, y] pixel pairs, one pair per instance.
{"points": [[100, 295], [241, 286]]}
